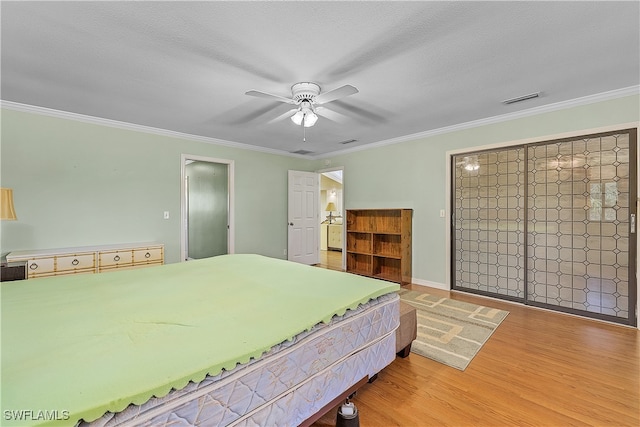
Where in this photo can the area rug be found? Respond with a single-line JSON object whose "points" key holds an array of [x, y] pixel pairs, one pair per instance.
{"points": [[449, 331]]}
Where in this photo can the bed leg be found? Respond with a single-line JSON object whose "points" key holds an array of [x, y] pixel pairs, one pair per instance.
{"points": [[373, 378], [405, 351]]}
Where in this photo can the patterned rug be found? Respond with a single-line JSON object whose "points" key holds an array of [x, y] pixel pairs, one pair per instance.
{"points": [[449, 331]]}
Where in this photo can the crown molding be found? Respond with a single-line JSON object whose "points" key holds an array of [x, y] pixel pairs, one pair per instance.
{"points": [[25, 108], [585, 100], [562, 105]]}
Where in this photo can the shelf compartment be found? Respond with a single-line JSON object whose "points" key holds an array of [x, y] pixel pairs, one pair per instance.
{"points": [[359, 242], [388, 245], [359, 263], [387, 221], [387, 269], [360, 221]]}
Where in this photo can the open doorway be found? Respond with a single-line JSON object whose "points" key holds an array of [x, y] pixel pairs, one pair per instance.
{"points": [[207, 207], [332, 219]]}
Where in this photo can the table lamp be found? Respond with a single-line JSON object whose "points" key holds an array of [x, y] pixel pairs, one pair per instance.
{"points": [[331, 207], [7, 212]]}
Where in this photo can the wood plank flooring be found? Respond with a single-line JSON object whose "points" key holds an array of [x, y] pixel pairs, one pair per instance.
{"points": [[331, 260], [539, 368]]}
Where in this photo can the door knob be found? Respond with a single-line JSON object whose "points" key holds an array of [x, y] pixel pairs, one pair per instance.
{"points": [[291, 224]]}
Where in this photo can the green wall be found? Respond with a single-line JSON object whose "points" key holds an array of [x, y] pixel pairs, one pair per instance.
{"points": [[78, 184], [413, 174]]}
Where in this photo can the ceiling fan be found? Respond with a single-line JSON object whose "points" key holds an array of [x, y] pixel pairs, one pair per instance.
{"points": [[309, 101]]}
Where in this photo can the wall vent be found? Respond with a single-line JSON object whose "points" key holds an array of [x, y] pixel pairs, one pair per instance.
{"points": [[348, 141], [303, 152], [521, 98]]}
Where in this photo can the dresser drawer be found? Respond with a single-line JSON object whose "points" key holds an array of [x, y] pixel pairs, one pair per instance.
{"points": [[115, 258], [76, 262], [88, 259], [148, 255], [39, 266]]}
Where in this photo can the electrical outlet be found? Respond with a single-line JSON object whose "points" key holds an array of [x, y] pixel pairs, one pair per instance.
{"points": [[166, 214], [441, 213]]}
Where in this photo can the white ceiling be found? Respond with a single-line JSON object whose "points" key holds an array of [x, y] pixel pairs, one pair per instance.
{"points": [[419, 66]]}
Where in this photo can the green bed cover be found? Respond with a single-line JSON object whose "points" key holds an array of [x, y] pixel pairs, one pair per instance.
{"points": [[74, 347]]}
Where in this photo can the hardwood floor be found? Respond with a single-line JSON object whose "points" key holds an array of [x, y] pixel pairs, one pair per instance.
{"points": [[539, 368], [331, 260]]}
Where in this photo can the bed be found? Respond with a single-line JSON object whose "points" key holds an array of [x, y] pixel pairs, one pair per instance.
{"points": [[230, 340]]}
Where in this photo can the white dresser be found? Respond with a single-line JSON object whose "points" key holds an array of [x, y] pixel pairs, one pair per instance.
{"points": [[331, 237], [88, 259]]}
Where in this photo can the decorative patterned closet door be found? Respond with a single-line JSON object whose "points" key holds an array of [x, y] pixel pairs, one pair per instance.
{"points": [[489, 222], [550, 224], [580, 204]]}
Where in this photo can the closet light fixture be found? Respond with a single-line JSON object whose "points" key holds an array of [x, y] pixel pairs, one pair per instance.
{"points": [[471, 164]]}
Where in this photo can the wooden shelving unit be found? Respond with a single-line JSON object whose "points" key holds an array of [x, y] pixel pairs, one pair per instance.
{"points": [[379, 243]]}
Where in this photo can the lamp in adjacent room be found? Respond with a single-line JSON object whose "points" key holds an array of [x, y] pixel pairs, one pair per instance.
{"points": [[331, 207], [7, 211]]}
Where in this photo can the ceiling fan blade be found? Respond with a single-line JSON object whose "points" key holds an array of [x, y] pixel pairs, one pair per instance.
{"points": [[259, 94], [332, 95], [331, 115], [284, 116]]}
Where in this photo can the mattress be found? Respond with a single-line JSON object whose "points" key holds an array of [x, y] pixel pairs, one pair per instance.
{"points": [[291, 382], [76, 347]]}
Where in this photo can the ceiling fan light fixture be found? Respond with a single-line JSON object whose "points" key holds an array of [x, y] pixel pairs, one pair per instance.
{"points": [[310, 119], [305, 115], [298, 117]]}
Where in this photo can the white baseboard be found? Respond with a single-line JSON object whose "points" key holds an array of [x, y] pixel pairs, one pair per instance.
{"points": [[436, 285]]}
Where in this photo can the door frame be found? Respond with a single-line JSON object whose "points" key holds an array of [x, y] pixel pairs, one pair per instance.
{"points": [[183, 205], [344, 222]]}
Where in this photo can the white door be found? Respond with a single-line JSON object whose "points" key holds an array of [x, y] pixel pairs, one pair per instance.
{"points": [[304, 222]]}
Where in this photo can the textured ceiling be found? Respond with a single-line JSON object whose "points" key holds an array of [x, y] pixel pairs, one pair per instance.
{"points": [[419, 66]]}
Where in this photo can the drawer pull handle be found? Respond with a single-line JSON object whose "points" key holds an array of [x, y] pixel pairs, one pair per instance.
{"points": [[75, 261], [147, 255], [33, 266], [116, 258]]}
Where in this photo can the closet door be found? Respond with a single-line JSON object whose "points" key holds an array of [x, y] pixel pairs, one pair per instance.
{"points": [[551, 224], [488, 233], [581, 236]]}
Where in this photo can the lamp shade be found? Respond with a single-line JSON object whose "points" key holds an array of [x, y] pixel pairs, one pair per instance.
{"points": [[6, 204], [297, 118], [331, 207], [310, 119]]}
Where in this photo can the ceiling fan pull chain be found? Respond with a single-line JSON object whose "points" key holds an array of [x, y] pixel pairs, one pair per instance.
{"points": [[304, 131]]}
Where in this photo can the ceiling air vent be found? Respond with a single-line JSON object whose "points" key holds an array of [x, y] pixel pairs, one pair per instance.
{"points": [[348, 141], [303, 152], [521, 98]]}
